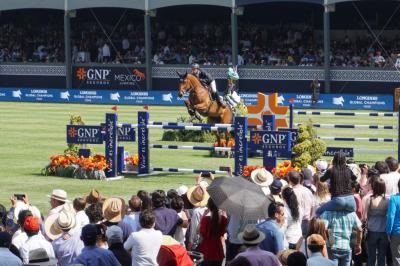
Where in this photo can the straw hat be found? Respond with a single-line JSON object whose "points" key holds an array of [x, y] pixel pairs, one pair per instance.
{"points": [[93, 197], [262, 177], [59, 194], [114, 209], [56, 223], [251, 235], [198, 196]]}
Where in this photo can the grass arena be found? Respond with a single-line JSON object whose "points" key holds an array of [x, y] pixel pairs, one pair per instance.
{"points": [[31, 133]]}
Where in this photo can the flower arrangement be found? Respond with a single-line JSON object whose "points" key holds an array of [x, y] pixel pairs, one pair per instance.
{"points": [[222, 142], [131, 162], [283, 168], [250, 168], [92, 167]]}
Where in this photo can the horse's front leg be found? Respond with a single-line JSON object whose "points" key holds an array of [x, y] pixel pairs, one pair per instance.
{"points": [[189, 107]]}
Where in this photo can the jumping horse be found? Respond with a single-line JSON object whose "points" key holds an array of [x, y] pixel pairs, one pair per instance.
{"points": [[200, 102]]}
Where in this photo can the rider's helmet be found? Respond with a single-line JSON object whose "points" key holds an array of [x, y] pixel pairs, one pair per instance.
{"points": [[232, 74], [195, 69]]}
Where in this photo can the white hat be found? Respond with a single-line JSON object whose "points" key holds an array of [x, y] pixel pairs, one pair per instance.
{"points": [[181, 190], [59, 194], [114, 235], [57, 223], [321, 165], [262, 177]]}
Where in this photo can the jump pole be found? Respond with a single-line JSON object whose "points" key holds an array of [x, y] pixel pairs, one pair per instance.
{"points": [[240, 129]]}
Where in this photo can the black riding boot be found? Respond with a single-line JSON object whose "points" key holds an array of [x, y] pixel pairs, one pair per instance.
{"points": [[219, 100]]}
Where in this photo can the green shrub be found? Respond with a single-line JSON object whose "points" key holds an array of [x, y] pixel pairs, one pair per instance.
{"points": [[308, 147]]}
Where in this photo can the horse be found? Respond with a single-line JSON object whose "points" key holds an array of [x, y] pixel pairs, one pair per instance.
{"points": [[200, 102]]}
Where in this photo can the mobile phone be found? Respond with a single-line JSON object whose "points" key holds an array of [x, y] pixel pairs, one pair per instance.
{"points": [[19, 196], [224, 168], [206, 174]]}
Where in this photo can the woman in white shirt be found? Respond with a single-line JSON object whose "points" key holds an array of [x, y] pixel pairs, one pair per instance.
{"points": [[292, 227]]}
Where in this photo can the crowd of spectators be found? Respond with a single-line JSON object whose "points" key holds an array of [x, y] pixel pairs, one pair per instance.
{"points": [[321, 215], [205, 43], [31, 43]]}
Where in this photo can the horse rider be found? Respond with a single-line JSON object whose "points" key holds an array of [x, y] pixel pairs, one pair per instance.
{"points": [[209, 81], [231, 93]]}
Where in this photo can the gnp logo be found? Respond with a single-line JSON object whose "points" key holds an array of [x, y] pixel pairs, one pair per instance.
{"points": [[94, 76]]}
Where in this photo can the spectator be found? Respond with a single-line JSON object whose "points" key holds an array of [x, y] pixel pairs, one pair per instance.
{"points": [[274, 237], [114, 237], [20, 236], [393, 226], [292, 227], [341, 225], [67, 246], [40, 257], [198, 197], [316, 245], [375, 217], [166, 219], [305, 199], [135, 203], [114, 210], [35, 240], [105, 52], [93, 197], [317, 226], [94, 213], [296, 259], [212, 229], [341, 178], [91, 254], [177, 204], [392, 178], [57, 200], [276, 189], [144, 244], [322, 194], [6, 256], [82, 219], [251, 238]]}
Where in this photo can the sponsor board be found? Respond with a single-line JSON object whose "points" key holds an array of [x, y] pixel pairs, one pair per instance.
{"points": [[136, 97], [103, 77]]}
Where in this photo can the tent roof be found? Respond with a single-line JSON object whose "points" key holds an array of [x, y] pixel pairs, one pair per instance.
{"points": [[140, 4]]}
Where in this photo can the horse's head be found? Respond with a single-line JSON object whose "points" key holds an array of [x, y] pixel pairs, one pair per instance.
{"points": [[184, 84]]}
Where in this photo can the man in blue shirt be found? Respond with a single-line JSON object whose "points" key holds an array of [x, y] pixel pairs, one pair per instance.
{"points": [[274, 237], [91, 254]]}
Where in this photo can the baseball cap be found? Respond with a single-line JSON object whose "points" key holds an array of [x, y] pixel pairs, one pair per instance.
{"points": [[31, 224], [276, 185], [89, 232], [114, 234]]}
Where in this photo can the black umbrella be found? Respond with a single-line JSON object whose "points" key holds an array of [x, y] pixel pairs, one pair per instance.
{"points": [[240, 197]]}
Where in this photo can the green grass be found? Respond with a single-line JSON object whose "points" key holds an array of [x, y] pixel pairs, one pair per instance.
{"points": [[30, 133]]}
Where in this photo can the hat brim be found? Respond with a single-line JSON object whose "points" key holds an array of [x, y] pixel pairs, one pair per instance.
{"points": [[52, 231], [266, 183], [50, 262], [195, 202], [258, 240]]}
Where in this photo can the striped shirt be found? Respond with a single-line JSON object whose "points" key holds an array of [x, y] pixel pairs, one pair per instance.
{"points": [[340, 225]]}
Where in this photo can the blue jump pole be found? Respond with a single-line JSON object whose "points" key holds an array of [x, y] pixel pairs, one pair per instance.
{"points": [[143, 143], [240, 144], [269, 161], [111, 139], [398, 134], [291, 107]]}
